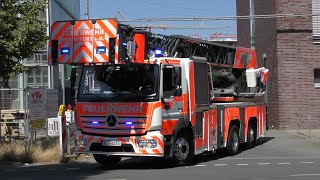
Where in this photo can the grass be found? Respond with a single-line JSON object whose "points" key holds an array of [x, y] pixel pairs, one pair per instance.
{"points": [[44, 150]]}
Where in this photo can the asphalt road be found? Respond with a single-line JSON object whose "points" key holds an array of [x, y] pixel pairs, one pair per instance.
{"points": [[279, 156]]}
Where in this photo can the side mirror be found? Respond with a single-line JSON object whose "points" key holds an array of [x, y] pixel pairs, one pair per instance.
{"points": [[176, 79], [131, 49], [264, 57], [176, 76], [73, 80], [54, 51]]}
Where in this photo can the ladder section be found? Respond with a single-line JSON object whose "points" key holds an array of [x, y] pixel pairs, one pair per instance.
{"points": [[184, 47]]}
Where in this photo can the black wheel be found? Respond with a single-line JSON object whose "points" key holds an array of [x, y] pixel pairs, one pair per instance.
{"points": [[233, 143], [183, 149], [107, 161], [252, 136]]}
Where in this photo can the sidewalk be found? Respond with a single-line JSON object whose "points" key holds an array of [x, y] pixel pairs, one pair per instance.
{"points": [[304, 133]]}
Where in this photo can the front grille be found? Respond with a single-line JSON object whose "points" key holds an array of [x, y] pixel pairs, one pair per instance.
{"points": [[122, 148], [124, 125]]}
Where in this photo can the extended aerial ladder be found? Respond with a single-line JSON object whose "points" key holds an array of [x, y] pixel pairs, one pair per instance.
{"points": [[231, 67]]}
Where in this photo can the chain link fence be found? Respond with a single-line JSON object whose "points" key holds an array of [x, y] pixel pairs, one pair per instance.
{"points": [[12, 114]]}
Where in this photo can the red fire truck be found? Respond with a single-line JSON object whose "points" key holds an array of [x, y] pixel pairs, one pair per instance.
{"points": [[144, 94]]}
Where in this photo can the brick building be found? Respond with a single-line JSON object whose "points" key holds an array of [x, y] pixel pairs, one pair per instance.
{"points": [[293, 57]]}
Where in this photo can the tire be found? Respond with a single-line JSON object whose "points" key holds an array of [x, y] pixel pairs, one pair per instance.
{"points": [[251, 137], [233, 143], [107, 161], [183, 150]]}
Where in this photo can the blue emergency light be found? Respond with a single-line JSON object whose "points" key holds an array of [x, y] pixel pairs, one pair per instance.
{"points": [[95, 122], [129, 123], [65, 51], [101, 50], [158, 52]]}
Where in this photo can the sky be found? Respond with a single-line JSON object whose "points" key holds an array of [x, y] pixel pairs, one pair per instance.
{"points": [[134, 9]]}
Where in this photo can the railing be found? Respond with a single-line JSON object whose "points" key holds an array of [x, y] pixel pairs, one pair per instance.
{"points": [[299, 124]]}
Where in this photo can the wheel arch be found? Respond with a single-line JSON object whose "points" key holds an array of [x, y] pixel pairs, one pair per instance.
{"points": [[183, 125]]}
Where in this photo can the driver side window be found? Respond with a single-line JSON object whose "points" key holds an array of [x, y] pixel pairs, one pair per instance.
{"points": [[167, 82], [172, 82]]}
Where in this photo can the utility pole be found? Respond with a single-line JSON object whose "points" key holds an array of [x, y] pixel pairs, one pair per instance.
{"points": [[88, 6], [252, 25]]}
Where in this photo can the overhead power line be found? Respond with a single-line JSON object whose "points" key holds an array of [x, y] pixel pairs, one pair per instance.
{"points": [[221, 18], [182, 27]]}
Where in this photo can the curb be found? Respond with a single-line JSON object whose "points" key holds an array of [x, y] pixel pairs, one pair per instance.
{"points": [[8, 163]]}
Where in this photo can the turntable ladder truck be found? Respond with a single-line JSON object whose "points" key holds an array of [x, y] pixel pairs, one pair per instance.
{"points": [[141, 94]]}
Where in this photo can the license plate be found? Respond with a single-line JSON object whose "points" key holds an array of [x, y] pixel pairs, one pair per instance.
{"points": [[111, 143]]}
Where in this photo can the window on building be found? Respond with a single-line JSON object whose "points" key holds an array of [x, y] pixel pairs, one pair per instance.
{"points": [[317, 78], [39, 58], [316, 21], [38, 77]]}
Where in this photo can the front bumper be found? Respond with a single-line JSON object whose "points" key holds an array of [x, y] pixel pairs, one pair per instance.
{"points": [[129, 145]]}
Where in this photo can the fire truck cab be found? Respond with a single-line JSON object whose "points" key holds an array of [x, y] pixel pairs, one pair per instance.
{"points": [[144, 94]]}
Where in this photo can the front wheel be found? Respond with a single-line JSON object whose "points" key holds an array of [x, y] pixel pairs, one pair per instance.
{"points": [[183, 149], [107, 161], [233, 143]]}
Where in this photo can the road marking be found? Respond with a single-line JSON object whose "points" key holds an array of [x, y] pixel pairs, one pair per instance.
{"points": [[298, 175], [263, 163], [306, 162], [273, 158], [73, 168], [220, 164], [284, 163], [33, 169], [200, 165], [10, 170], [242, 164]]}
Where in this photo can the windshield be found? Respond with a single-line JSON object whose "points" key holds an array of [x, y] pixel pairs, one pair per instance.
{"points": [[129, 83]]}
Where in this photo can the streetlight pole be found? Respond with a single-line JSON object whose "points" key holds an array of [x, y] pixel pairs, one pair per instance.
{"points": [[88, 6]]}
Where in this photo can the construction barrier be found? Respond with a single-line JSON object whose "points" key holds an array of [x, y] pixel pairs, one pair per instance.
{"points": [[63, 132], [53, 127], [67, 130]]}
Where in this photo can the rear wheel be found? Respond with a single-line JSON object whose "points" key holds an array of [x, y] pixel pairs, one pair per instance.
{"points": [[233, 143], [107, 161], [183, 149], [252, 136]]}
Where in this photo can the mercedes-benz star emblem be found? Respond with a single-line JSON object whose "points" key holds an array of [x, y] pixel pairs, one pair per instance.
{"points": [[111, 120]]}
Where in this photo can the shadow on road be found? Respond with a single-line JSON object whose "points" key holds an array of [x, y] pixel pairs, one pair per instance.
{"points": [[85, 170], [265, 140], [163, 163]]}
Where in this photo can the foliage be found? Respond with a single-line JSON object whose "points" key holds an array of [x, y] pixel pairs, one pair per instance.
{"points": [[15, 152], [22, 34]]}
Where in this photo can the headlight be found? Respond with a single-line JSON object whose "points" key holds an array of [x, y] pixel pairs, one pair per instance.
{"points": [[148, 143]]}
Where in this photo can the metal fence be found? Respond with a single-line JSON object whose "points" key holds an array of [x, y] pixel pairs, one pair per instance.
{"points": [[13, 117], [304, 124], [12, 99], [12, 114]]}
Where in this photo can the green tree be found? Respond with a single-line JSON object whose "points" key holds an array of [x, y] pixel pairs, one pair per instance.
{"points": [[22, 34]]}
